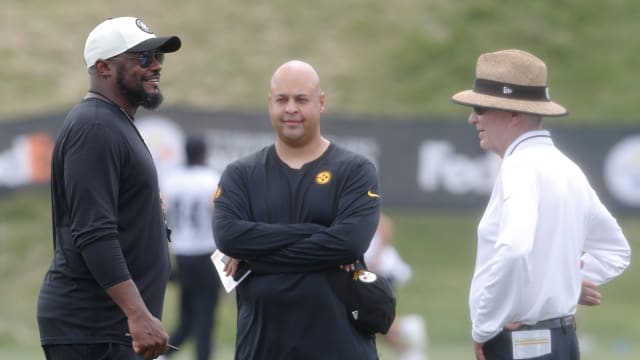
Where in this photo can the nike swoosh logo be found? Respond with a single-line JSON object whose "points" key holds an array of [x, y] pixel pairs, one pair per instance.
{"points": [[372, 194]]}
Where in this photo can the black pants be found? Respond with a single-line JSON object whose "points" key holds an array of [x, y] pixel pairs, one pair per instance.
{"points": [[109, 351], [564, 346], [199, 286]]}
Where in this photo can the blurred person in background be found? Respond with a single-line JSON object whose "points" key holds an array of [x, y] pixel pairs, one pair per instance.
{"points": [[407, 335], [102, 296], [188, 193], [544, 232], [294, 212]]}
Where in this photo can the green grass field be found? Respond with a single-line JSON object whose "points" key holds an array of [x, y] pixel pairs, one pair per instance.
{"points": [[439, 246]]}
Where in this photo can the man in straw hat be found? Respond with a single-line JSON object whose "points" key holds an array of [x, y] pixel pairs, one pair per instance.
{"points": [[544, 231]]}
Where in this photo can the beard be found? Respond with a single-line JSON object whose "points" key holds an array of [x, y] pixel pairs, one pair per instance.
{"points": [[137, 95]]}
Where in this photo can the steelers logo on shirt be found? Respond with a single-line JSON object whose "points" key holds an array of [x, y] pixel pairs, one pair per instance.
{"points": [[323, 177]]}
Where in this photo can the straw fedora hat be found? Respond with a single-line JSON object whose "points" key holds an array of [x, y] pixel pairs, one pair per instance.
{"points": [[512, 80]]}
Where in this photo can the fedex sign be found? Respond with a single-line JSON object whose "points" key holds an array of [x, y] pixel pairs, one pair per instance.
{"points": [[441, 168]]}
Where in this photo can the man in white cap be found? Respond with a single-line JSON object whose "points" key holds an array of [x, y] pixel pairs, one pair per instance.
{"points": [[103, 294], [545, 240]]}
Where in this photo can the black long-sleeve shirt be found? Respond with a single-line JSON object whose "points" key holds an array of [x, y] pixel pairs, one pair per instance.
{"points": [[293, 226], [108, 227]]}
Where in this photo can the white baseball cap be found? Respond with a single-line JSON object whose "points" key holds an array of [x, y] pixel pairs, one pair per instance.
{"points": [[124, 34]]}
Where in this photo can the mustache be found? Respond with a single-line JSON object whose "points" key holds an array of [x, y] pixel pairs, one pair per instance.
{"points": [[155, 74]]}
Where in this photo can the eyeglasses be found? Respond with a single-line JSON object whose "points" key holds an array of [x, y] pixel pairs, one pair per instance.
{"points": [[480, 110], [145, 58]]}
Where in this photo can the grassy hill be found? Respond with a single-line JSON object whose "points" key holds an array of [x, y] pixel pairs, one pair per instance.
{"points": [[404, 57]]}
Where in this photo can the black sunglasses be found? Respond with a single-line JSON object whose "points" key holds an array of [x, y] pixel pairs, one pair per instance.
{"points": [[145, 58], [479, 110]]}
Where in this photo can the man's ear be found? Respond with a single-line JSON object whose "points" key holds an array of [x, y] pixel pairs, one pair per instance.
{"points": [[103, 68], [518, 117], [323, 101]]}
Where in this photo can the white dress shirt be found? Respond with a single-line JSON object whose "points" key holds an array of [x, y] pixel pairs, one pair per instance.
{"points": [[188, 194], [543, 217]]}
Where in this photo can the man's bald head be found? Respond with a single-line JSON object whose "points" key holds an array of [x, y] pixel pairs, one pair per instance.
{"points": [[305, 74]]}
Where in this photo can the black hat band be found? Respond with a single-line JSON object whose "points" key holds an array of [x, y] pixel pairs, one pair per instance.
{"points": [[511, 91]]}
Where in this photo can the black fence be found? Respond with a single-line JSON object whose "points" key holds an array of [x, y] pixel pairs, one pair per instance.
{"points": [[434, 164]]}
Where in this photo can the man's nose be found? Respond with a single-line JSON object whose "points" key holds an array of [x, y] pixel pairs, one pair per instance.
{"points": [[291, 106], [472, 118]]}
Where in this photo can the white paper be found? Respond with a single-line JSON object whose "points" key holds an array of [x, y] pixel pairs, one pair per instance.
{"points": [[219, 260], [529, 344]]}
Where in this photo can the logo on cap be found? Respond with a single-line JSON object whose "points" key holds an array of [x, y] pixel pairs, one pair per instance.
{"points": [[142, 26]]}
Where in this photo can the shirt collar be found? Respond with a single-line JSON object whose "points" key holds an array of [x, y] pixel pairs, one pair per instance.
{"points": [[535, 137]]}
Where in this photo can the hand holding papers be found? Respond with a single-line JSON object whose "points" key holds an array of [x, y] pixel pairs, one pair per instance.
{"points": [[220, 260]]}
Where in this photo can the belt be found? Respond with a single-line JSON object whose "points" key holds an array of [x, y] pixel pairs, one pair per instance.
{"points": [[563, 322]]}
